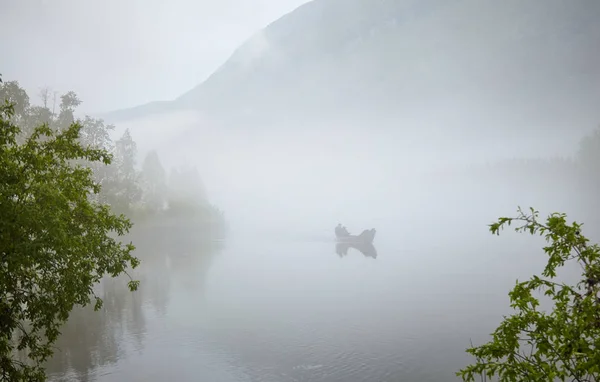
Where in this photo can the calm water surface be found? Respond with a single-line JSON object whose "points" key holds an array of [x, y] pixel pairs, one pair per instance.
{"points": [[248, 310]]}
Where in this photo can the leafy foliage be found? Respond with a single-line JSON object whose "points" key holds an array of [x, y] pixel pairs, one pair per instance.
{"points": [[154, 179], [149, 194], [123, 184], [55, 242], [534, 345], [62, 182], [13, 93]]}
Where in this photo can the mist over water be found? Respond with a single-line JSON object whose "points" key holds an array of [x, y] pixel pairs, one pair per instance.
{"points": [[425, 121], [289, 308], [302, 179], [298, 178], [278, 300]]}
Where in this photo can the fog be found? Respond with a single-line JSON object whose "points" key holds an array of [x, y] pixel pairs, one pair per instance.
{"points": [[427, 155], [126, 45], [302, 179]]}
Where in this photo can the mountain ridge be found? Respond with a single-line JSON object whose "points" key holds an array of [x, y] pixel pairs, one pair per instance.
{"points": [[510, 61]]}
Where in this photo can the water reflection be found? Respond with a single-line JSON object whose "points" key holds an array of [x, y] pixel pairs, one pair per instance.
{"points": [[91, 340], [367, 249], [264, 314]]}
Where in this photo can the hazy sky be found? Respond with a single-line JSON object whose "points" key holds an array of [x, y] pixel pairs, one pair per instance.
{"points": [[122, 53]]}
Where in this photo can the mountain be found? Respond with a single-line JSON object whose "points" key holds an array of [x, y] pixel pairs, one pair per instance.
{"points": [[468, 64]]}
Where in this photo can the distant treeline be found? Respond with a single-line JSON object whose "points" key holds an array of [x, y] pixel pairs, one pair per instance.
{"points": [[582, 169], [143, 193]]}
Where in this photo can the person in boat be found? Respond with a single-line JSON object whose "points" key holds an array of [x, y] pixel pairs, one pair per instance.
{"points": [[341, 231]]}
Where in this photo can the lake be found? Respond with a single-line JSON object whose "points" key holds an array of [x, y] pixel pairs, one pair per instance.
{"points": [[297, 310]]}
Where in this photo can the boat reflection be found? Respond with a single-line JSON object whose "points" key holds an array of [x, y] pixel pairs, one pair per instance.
{"points": [[367, 249]]}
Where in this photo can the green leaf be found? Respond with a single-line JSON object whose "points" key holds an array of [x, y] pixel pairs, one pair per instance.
{"points": [[565, 339], [56, 241]]}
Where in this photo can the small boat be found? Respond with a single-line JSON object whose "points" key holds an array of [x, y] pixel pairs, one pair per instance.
{"points": [[366, 237]]}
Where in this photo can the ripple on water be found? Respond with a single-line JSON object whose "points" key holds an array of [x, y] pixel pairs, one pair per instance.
{"points": [[309, 354], [305, 318]]}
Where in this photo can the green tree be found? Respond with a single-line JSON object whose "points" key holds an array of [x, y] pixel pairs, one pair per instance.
{"points": [[589, 156], [588, 161], [124, 185], [96, 134], [185, 184], [12, 92], [154, 178], [68, 103], [538, 345], [36, 116], [16, 95], [55, 244], [27, 116]]}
